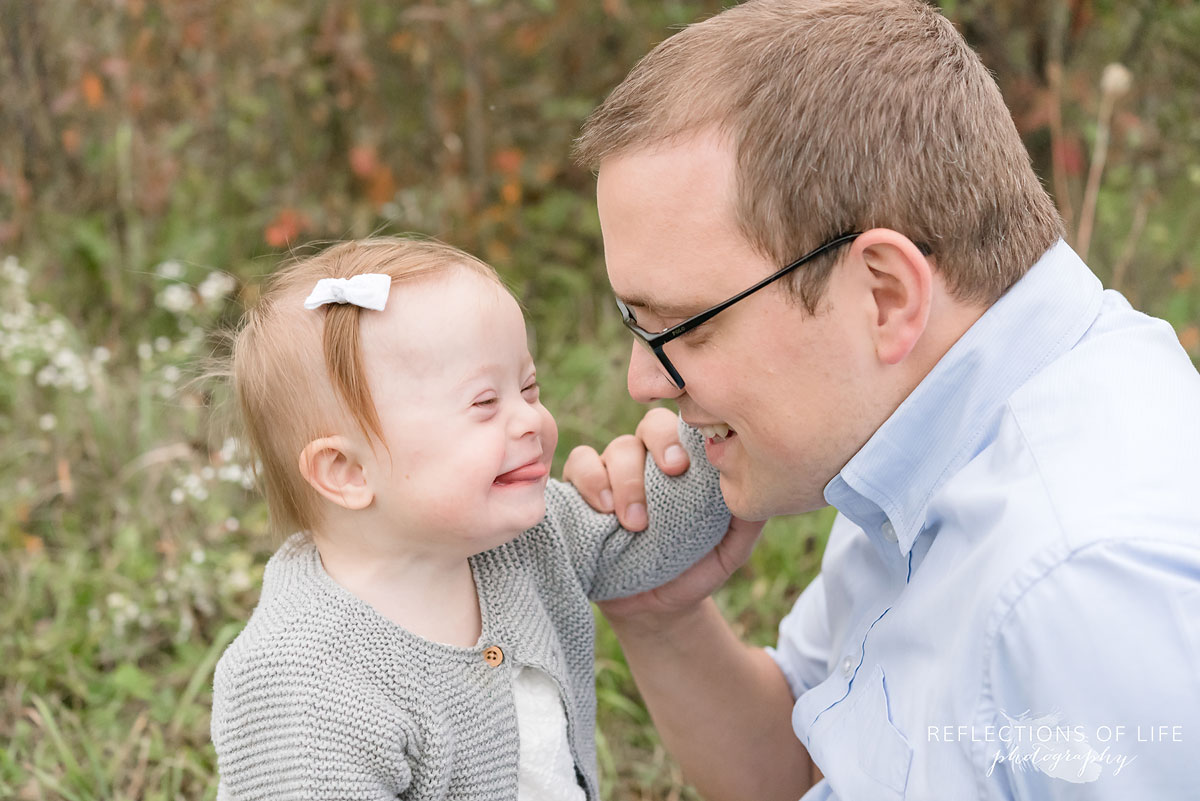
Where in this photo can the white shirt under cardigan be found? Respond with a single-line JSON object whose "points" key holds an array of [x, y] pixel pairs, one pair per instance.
{"points": [[321, 697], [546, 771], [1009, 603]]}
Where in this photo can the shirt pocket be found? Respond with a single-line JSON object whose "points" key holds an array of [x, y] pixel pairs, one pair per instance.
{"points": [[861, 752]]}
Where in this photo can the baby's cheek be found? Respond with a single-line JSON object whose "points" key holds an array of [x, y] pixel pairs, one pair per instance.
{"points": [[549, 433]]}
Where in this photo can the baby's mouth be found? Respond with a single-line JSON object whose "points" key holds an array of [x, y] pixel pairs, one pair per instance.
{"points": [[532, 471]]}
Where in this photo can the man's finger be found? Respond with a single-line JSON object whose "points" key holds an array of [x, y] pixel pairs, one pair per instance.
{"points": [[659, 432], [585, 470], [625, 459]]}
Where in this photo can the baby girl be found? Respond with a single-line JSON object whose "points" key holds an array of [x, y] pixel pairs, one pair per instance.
{"points": [[425, 632]]}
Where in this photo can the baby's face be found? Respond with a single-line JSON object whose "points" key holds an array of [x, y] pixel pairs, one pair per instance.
{"points": [[454, 385]]}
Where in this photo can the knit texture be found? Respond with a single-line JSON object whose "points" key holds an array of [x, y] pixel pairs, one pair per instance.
{"points": [[321, 697]]}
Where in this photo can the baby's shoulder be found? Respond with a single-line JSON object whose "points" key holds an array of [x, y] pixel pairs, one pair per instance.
{"points": [[310, 663], [305, 635]]}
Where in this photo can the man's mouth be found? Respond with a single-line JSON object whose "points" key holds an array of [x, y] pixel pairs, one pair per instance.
{"points": [[717, 432], [532, 471]]}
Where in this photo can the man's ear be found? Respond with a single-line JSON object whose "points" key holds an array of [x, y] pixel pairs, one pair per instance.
{"points": [[900, 280], [332, 467]]}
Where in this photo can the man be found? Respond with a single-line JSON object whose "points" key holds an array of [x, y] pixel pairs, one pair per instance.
{"points": [[1009, 603]]}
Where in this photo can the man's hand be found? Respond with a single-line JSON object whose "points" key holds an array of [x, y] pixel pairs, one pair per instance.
{"points": [[616, 480], [683, 593]]}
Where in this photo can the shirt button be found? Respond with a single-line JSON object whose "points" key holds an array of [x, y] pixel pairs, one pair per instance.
{"points": [[493, 655], [847, 667], [889, 531]]}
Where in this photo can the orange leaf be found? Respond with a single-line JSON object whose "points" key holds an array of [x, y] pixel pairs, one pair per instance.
{"points": [[508, 160], [1190, 338], [194, 34], [400, 41], [364, 160], [382, 186], [528, 39], [511, 193], [33, 545], [286, 226], [616, 9], [65, 484], [1070, 153], [1183, 279], [93, 89], [71, 140]]}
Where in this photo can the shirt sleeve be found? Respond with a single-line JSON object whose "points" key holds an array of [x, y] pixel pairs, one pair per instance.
{"points": [[281, 738], [687, 517], [1091, 666], [802, 652]]}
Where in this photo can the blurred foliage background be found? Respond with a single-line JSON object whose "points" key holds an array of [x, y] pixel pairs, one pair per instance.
{"points": [[157, 157]]}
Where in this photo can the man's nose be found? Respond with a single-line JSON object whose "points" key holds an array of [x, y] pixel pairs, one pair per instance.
{"points": [[647, 380]]}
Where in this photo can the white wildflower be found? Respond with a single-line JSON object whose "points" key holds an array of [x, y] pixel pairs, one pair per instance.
{"points": [[1116, 80], [65, 359], [239, 580], [144, 351], [171, 269], [178, 496], [47, 422], [162, 344], [47, 376], [229, 449], [216, 286], [176, 298], [14, 272], [101, 355]]}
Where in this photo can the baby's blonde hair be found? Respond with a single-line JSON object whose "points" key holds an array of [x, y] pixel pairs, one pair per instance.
{"points": [[287, 395]]}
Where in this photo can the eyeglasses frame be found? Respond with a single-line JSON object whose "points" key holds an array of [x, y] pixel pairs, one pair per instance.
{"points": [[656, 341]]}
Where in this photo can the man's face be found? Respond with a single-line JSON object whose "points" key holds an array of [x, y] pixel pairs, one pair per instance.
{"points": [[787, 384]]}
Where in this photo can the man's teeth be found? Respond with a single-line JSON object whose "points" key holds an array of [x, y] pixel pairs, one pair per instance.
{"points": [[716, 432]]}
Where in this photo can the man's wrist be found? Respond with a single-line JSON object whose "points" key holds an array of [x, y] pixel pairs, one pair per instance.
{"points": [[663, 625]]}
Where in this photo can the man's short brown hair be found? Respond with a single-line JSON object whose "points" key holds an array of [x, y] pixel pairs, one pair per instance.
{"points": [[845, 115]]}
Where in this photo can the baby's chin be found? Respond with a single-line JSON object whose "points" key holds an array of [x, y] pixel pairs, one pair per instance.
{"points": [[517, 522], [534, 517]]}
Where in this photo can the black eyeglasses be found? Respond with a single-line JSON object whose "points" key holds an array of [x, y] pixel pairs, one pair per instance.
{"points": [[655, 342]]}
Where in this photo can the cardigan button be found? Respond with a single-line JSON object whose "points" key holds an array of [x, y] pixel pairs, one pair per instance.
{"points": [[493, 655]]}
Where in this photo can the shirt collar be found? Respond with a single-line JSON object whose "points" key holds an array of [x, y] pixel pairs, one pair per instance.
{"points": [[951, 415]]}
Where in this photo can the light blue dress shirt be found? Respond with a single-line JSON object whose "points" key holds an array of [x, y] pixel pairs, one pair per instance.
{"points": [[1009, 602]]}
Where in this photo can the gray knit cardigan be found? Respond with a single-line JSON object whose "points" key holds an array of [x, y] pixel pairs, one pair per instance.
{"points": [[320, 697]]}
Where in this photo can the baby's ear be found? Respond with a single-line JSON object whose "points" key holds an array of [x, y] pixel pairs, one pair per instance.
{"points": [[331, 466]]}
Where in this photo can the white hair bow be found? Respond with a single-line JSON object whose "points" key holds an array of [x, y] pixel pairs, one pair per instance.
{"points": [[369, 290]]}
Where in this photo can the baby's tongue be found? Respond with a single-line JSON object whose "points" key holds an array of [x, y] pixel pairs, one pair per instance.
{"points": [[529, 472]]}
